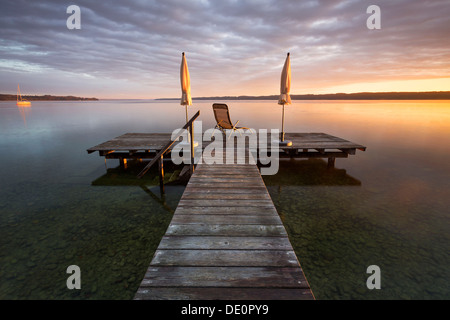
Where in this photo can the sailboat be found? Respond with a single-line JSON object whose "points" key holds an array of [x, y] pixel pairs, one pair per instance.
{"points": [[22, 102]]}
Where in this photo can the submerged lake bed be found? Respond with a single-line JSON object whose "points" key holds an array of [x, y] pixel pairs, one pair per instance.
{"points": [[387, 206]]}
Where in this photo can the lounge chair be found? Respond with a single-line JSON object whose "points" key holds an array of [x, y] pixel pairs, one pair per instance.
{"points": [[223, 120]]}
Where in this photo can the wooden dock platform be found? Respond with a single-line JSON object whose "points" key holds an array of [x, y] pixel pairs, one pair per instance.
{"points": [[225, 241], [304, 145]]}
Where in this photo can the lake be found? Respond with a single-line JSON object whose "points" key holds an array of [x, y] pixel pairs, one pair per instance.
{"points": [[387, 206]]}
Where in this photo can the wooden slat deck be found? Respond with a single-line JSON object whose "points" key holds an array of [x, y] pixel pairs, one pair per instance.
{"points": [[225, 241], [155, 141]]}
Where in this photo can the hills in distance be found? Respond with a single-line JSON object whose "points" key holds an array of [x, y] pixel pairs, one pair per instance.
{"points": [[431, 95], [13, 97]]}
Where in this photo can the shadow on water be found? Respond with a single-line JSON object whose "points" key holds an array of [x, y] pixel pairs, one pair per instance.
{"points": [[149, 183], [309, 172], [120, 176]]}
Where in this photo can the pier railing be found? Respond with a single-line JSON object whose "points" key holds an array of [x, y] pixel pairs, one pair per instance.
{"points": [[160, 155]]}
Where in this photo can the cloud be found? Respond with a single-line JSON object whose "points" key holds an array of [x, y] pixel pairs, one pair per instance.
{"points": [[232, 47]]}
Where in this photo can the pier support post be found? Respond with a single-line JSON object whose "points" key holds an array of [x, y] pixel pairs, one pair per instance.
{"points": [[331, 162], [123, 163], [161, 174]]}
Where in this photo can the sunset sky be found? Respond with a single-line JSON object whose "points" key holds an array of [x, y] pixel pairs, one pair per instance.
{"points": [[132, 48]]}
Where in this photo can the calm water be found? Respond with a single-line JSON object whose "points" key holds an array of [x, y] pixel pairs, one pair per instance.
{"points": [[388, 206]]}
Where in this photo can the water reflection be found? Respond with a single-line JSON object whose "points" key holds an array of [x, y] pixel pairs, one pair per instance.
{"points": [[24, 113], [161, 201], [110, 232], [309, 172], [149, 183], [292, 172], [63, 210], [120, 176]]}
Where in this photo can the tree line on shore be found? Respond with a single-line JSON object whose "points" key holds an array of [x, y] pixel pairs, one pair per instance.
{"points": [[13, 97], [431, 95]]}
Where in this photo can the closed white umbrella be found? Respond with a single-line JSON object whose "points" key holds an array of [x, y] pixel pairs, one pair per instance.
{"points": [[285, 88], [186, 99]]}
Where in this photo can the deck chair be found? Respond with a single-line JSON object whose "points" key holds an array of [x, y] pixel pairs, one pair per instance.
{"points": [[223, 120]]}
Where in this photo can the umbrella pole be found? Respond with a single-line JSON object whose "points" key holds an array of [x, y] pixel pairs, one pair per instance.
{"points": [[189, 129], [282, 126], [187, 119]]}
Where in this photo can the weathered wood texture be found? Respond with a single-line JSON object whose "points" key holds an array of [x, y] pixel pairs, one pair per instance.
{"points": [[146, 144], [225, 241]]}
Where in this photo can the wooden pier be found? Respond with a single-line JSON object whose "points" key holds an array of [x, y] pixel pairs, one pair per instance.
{"points": [[304, 145], [225, 241]]}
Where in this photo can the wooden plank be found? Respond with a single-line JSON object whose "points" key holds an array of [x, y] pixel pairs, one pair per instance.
{"points": [[231, 230], [230, 258], [322, 151], [226, 174], [205, 210], [248, 180], [315, 155], [225, 219], [255, 277], [193, 293], [204, 195], [312, 136], [224, 242], [194, 189], [229, 173], [234, 185], [227, 165], [223, 168], [226, 158], [134, 141], [225, 234], [148, 141], [224, 203], [349, 151], [317, 144]]}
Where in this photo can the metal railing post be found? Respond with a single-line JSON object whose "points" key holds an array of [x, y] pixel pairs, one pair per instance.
{"points": [[191, 133]]}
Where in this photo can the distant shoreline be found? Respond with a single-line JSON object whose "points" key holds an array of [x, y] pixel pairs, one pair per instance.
{"points": [[13, 97], [431, 95]]}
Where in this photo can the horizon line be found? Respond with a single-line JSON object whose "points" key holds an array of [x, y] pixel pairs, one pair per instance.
{"points": [[254, 97]]}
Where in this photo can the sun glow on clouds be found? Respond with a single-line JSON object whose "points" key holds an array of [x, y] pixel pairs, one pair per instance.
{"points": [[442, 84], [133, 48]]}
